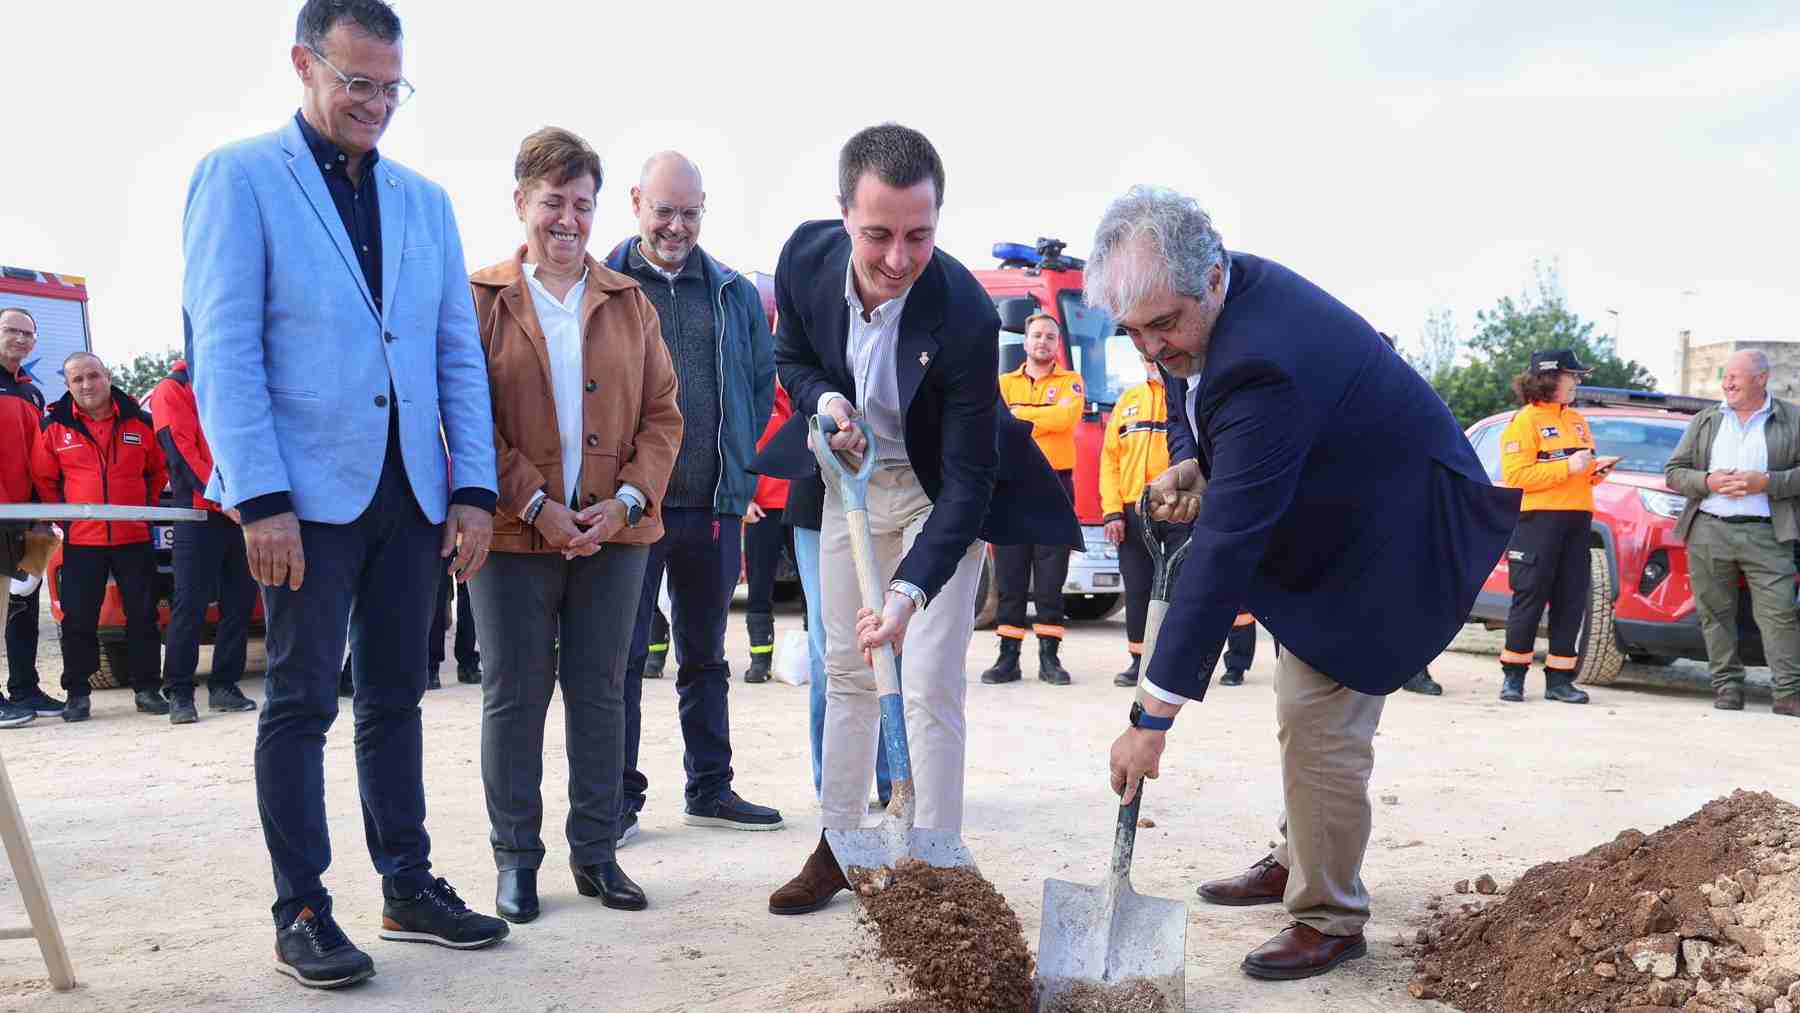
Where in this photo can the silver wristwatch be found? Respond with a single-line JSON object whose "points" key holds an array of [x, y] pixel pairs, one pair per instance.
{"points": [[911, 591]]}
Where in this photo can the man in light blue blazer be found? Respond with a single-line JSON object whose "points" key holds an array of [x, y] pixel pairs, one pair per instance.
{"points": [[334, 352]]}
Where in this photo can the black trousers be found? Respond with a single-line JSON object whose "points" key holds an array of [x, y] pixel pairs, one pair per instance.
{"points": [[22, 641], [468, 655], [763, 542], [83, 590], [1548, 565], [1036, 572], [1137, 571], [211, 564]]}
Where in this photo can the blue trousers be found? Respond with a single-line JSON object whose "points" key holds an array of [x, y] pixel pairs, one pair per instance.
{"points": [[701, 551], [806, 560], [376, 578]]}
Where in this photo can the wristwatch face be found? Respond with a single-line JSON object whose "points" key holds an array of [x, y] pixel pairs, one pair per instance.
{"points": [[1137, 711], [633, 514]]}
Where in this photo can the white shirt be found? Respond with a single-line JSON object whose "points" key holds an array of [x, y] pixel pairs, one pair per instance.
{"points": [[872, 351], [1740, 446], [561, 323]]}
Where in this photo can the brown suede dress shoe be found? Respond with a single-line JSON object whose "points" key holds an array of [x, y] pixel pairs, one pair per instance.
{"points": [[1301, 951], [1728, 698], [1788, 706], [1264, 883], [819, 881]]}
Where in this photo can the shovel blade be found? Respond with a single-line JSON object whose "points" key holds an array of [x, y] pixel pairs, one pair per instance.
{"points": [[1144, 938], [892, 840]]}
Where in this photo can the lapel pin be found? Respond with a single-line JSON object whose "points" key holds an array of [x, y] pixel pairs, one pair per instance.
{"points": [[392, 181], [924, 358]]}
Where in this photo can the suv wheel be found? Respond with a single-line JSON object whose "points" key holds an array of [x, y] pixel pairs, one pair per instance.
{"points": [[1598, 645], [115, 669]]}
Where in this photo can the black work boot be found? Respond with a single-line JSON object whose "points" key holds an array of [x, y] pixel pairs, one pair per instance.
{"points": [[181, 710], [1050, 668], [1512, 686], [1129, 677], [659, 646], [1423, 684], [150, 701], [1560, 686], [1006, 669], [762, 645]]}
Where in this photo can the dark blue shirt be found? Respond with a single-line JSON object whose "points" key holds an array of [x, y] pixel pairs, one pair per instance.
{"points": [[358, 201]]}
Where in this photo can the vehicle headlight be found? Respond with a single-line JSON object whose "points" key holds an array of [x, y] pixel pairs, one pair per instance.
{"points": [[1662, 504]]}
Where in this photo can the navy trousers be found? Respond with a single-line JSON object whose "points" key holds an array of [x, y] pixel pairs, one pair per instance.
{"points": [[210, 565], [376, 577], [701, 553]]}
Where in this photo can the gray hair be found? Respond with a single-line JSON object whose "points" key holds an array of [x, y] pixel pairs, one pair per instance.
{"points": [[4, 310], [318, 17], [1759, 359], [1181, 236]]}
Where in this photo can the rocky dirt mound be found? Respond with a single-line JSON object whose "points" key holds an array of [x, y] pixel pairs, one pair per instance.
{"points": [[954, 939], [1700, 917]]}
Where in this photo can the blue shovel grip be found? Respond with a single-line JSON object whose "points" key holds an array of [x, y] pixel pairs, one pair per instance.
{"points": [[893, 727]]}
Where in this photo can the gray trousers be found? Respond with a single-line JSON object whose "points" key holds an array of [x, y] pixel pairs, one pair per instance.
{"points": [[1717, 553], [542, 620]]}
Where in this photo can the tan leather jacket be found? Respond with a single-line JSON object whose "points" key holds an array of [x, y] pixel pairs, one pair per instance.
{"points": [[630, 424]]}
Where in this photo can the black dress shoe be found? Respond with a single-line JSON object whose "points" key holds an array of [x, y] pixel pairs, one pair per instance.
{"points": [[1423, 684], [515, 896], [1232, 677], [608, 882], [469, 675], [228, 697], [149, 701]]}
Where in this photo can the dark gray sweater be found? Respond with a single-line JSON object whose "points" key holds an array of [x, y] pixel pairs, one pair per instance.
{"points": [[685, 308]]}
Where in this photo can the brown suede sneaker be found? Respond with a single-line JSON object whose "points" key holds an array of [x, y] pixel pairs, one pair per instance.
{"points": [[819, 881], [1264, 883], [1788, 706]]}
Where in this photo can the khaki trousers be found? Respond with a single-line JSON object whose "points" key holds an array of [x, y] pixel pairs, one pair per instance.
{"points": [[933, 679], [1717, 553], [1327, 735]]}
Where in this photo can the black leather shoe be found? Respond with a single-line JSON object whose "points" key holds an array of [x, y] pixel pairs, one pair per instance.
{"points": [[150, 701], [77, 708], [608, 882], [182, 712], [1006, 668], [1423, 684], [1231, 678], [1562, 689], [469, 675], [515, 895]]}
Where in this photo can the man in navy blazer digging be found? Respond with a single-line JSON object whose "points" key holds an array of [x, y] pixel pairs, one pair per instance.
{"points": [[885, 333], [1332, 495]]}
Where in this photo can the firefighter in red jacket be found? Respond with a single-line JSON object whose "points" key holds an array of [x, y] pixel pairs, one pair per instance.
{"points": [[21, 411], [765, 537], [97, 446], [210, 562]]}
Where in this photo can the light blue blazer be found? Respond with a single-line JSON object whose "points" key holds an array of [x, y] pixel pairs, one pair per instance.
{"points": [[292, 364]]}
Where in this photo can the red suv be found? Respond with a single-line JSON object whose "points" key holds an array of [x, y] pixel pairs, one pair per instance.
{"points": [[1640, 606]]}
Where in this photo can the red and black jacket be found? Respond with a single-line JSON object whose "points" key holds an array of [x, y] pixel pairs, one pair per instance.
{"points": [[179, 435], [115, 460], [21, 410]]}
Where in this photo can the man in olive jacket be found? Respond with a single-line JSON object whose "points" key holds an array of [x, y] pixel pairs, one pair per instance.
{"points": [[1737, 465]]}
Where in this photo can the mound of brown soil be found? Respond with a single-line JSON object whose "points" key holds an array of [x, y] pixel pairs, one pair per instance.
{"points": [[1701, 916], [956, 942], [1126, 997]]}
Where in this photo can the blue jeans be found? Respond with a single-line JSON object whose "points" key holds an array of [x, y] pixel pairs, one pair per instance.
{"points": [[806, 560]]}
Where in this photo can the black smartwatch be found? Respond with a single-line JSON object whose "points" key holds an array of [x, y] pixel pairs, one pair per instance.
{"points": [[1149, 722], [633, 514]]}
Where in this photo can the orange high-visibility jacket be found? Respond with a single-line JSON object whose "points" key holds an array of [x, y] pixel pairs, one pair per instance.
{"points": [[1136, 448], [1534, 453], [1052, 406]]}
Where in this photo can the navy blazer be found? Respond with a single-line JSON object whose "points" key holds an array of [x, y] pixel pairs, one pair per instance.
{"points": [[1344, 506], [985, 476]]}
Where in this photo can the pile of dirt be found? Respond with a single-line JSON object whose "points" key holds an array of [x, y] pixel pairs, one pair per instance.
{"points": [[1703, 917], [956, 942], [1126, 997]]}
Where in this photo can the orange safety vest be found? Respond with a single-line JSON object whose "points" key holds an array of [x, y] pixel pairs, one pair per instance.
{"points": [[1052, 406], [1534, 451], [1136, 449]]}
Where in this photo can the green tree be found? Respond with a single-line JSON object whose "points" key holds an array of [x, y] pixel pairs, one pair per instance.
{"points": [[1437, 345], [139, 376], [1507, 334]]}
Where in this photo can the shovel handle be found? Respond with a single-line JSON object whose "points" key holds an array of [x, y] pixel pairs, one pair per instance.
{"points": [[852, 482], [1125, 838]]}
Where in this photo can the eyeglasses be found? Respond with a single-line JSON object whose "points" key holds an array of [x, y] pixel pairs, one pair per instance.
{"points": [[17, 332], [666, 214], [362, 89]]}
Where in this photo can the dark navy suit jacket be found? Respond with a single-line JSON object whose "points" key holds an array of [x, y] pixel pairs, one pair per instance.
{"points": [[985, 476], [1345, 508]]}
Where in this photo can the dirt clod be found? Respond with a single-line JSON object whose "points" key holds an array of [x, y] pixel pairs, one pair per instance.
{"points": [[1703, 915], [1125, 997], [956, 942], [1146, 823]]}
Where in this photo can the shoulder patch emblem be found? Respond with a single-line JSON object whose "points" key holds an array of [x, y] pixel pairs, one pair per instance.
{"points": [[1076, 387], [1131, 411], [1549, 432], [132, 438], [1512, 446], [1050, 393]]}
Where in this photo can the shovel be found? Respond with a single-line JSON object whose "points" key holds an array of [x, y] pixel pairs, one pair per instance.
{"points": [[1110, 934], [895, 837]]}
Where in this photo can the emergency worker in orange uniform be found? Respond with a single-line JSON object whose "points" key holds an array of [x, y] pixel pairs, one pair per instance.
{"points": [[1051, 398], [1547, 450]]}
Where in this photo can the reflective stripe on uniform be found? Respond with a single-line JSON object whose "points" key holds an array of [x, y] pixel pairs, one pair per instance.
{"points": [[1135, 647], [1244, 619], [1559, 663], [1011, 632], [1515, 657], [1046, 630]]}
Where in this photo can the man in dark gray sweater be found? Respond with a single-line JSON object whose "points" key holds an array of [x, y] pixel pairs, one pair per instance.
{"points": [[712, 320]]}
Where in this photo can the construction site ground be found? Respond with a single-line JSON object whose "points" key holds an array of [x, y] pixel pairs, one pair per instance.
{"points": [[149, 837]]}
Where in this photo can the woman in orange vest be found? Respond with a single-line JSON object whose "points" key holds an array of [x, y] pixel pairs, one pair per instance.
{"points": [[1548, 451]]}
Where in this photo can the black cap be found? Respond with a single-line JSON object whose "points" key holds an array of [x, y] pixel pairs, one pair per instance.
{"points": [[1556, 360]]}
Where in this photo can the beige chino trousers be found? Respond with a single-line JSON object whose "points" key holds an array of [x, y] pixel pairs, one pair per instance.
{"points": [[1327, 735], [933, 678]]}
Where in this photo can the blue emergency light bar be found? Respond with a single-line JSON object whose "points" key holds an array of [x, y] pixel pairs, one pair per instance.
{"points": [[1619, 397], [1017, 252]]}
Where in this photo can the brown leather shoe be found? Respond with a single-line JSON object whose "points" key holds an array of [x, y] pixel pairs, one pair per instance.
{"points": [[819, 881], [1728, 698], [1788, 706], [1264, 883], [1301, 951]]}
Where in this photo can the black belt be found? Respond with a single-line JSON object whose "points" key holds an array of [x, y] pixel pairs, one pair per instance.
{"points": [[1740, 519]]}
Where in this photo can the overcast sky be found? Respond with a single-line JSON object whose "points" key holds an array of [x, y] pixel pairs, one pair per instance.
{"points": [[1405, 155]]}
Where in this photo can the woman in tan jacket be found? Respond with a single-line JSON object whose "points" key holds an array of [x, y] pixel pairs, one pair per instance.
{"points": [[586, 429]]}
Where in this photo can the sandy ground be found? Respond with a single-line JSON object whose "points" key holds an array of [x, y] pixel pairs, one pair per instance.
{"points": [[149, 837]]}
